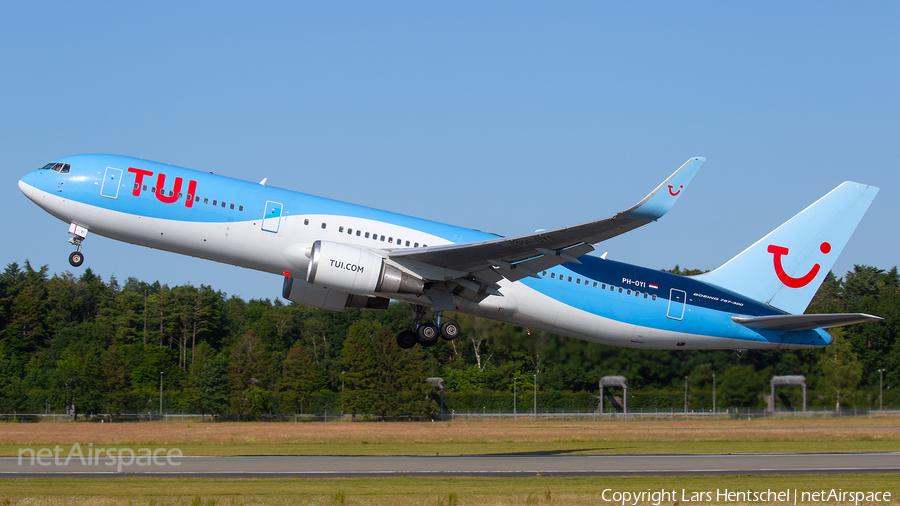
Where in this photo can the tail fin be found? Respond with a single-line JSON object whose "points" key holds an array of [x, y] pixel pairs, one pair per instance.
{"points": [[785, 268]]}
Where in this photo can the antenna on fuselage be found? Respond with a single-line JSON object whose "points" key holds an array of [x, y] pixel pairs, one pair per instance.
{"points": [[263, 182]]}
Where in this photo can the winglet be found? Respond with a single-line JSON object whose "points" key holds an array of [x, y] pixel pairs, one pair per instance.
{"points": [[660, 200]]}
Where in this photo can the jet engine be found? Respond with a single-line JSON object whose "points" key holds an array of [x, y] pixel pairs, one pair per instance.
{"points": [[345, 268]]}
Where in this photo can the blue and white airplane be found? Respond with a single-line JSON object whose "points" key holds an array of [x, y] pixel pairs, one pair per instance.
{"points": [[335, 255]]}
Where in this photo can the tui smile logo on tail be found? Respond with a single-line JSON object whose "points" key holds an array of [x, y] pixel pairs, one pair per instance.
{"points": [[675, 193], [779, 251]]}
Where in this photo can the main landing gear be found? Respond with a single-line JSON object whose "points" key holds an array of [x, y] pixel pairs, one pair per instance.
{"points": [[427, 334], [76, 258]]}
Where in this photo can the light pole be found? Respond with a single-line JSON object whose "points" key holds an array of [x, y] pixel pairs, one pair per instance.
{"points": [[880, 389], [160, 392], [685, 395], [342, 396], [515, 413], [535, 396], [714, 393]]}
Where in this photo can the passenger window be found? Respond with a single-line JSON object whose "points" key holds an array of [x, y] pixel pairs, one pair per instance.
{"points": [[645, 295], [206, 201], [603, 286], [577, 281], [416, 245], [407, 243], [552, 275], [390, 240], [153, 189], [620, 290], [424, 245], [341, 229], [179, 195], [544, 274], [349, 231], [189, 197], [306, 222], [627, 292], [595, 284], [240, 208], [145, 187], [223, 203], [367, 235], [171, 193], [232, 206], [654, 297], [215, 202], [570, 279], [358, 233], [382, 238], [323, 225], [135, 186]]}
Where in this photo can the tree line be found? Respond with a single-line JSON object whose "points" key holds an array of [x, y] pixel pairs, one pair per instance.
{"points": [[95, 346]]}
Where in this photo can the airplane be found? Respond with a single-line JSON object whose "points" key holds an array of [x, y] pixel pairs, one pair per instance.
{"points": [[334, 255]]}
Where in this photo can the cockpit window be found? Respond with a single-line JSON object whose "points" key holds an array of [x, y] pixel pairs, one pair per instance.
{"points": [[62, 168]]}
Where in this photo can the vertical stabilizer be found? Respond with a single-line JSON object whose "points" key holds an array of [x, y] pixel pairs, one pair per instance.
{"points": [[785, 268]]}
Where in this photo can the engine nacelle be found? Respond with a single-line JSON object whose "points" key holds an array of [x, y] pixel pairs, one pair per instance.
{"points": [[301, 292], [349, 269]]}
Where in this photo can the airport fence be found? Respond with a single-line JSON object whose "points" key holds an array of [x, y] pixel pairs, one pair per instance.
{"points": [[467, 415]]}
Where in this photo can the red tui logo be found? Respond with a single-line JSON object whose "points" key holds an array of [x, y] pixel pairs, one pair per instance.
{"points": [[779, 251], [675, 193]]}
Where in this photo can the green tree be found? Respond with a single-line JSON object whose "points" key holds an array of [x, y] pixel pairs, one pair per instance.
{"points": [[741, 387], [841, 371], [116, 381], [213, 387], [359, 375], [79, 370], [297, 377]]}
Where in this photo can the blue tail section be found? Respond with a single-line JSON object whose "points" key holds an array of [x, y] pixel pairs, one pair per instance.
{"points": [[785, 268]]}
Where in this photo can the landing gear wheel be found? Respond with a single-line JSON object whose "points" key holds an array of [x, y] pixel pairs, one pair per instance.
{"points": [[449, 330], [76, 259], [428, 334], [407, 339]]}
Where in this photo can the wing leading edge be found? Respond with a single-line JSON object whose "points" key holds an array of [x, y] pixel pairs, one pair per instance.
{"points": [[484, 263]]}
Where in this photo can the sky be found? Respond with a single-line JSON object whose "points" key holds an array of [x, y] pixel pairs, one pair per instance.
{"points": [[507, 117]]}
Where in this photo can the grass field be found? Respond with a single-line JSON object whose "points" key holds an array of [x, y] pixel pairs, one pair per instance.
{"points": [[865, 434], [858, 434], [405, 490]]}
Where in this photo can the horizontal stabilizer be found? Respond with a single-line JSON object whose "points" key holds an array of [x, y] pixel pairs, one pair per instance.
{"points": [[793, 322]]}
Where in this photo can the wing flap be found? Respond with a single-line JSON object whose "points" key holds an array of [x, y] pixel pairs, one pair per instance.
{"points": [[794, 322]]}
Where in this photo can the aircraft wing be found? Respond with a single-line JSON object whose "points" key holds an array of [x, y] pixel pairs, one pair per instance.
{"points": [[486, 262]]}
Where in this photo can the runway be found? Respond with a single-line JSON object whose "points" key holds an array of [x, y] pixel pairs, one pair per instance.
{"points": [[457, 465]]}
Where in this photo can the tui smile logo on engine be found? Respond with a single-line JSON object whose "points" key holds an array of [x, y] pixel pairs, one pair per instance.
{"points": [[789, 281]]}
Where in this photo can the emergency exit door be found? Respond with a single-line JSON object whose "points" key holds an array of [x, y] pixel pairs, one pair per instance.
{"points": [[272, 217], [110, 186]]}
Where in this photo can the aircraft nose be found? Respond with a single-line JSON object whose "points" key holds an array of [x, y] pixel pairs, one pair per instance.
{"points": [[26, 184]]}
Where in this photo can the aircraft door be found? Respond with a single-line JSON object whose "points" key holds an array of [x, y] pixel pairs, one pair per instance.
{"points": [[110, 186], [677, 299], [272, 218]]}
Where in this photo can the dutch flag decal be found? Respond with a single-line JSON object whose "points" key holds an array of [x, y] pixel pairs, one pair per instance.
{"points": [[655, 287]]}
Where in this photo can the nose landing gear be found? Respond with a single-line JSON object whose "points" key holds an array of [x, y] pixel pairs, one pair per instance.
{"points": [[76, 258]]}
